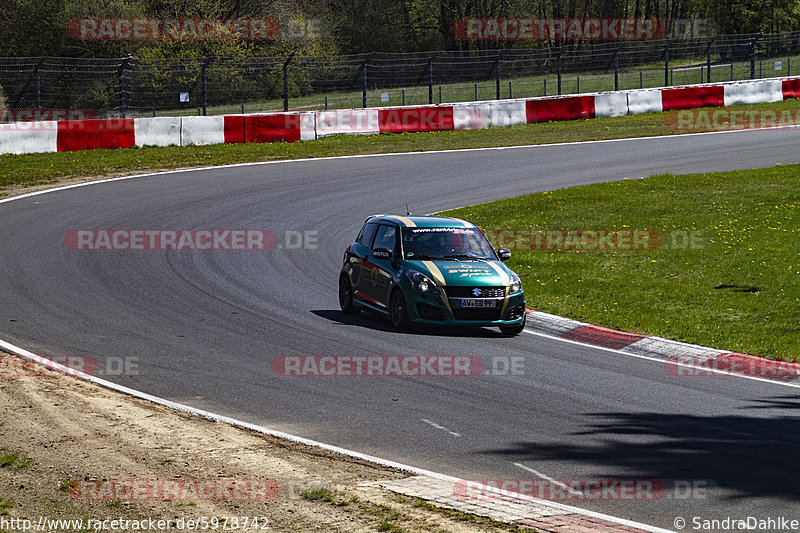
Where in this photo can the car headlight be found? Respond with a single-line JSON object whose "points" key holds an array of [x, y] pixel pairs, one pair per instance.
{"points": [[516, 284], [421, 282]]}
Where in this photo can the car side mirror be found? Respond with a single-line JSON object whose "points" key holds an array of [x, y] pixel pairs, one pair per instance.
{"points": [[381, 253], [504, 254]]}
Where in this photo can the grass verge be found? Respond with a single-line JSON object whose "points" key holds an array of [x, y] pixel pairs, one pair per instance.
{"points": [[52, 168], [725, 274]]}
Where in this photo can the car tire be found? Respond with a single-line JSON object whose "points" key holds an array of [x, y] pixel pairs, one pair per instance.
{"points": [[514, 330], [397, 310], [346, 296]]}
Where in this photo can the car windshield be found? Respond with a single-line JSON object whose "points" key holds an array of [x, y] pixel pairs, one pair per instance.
{"points": [[446, 243]]}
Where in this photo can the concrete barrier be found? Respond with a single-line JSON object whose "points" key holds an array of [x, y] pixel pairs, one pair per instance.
{"points": [[109, 133], [610, 105], [349, 121], [644, 101], [693, 97], [157, 131], [202, 130], [414, 119], [28, 137], [753, 92], [479, 115]]}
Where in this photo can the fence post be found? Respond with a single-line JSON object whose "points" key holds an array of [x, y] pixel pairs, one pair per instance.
{"points": [[123, 101], [39, 85], [203, 78], [579, 84], [708, 59], [286, 82], [497, 74], [666, 64], [616, 69], [404, 96], [510, 89], [558, 69], [364, 85], [440, 94], [753, 50], [430, 79], [545, 86], [641, 79]]}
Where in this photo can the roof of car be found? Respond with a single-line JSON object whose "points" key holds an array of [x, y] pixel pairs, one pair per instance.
{"points": [[409, 221]]}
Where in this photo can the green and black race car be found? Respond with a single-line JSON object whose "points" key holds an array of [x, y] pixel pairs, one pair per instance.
{"points": [[430, 270]]}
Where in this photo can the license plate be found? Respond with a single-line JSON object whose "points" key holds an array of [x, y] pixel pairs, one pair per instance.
{"points": [[475, 302]]}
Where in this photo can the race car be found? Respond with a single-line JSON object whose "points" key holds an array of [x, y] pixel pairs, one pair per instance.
{"points": [[430, 270]]}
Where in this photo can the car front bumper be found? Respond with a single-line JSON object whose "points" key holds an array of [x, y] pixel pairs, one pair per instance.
{"points": [[432, 309]]}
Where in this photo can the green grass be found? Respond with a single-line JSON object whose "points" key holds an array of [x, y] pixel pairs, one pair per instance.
{"points": [[736, 289], [30, 169], [5, 505], [13, 459]]}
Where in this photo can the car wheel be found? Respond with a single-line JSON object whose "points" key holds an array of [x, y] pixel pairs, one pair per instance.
{"points": [[514, 330], [397, 308], [346, 296]]}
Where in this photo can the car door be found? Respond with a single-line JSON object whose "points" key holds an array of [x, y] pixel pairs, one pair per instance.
{"points": [[378, 271], [358, 253]]}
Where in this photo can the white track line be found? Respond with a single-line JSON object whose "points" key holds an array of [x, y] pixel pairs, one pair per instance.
{"points": [[664, 360], [359, 156], [308, 442], [547, 478], [266, 431]]}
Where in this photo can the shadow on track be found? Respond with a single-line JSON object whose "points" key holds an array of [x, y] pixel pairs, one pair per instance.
{"points": [[748, 455], [378, 323]]}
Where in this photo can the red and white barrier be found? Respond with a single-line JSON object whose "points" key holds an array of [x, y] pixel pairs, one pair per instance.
{"points": [[559, 108], [753, 92], [28, 137], [95, 134], [610, 105], [478, 115], [413, 119], [202, 130], [349, 121], [157, 131], [50, 136], [644, 101], [791, 88], [693, 97]]}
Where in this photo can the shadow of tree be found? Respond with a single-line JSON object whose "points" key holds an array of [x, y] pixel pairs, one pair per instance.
{"points": [[750, 456]]}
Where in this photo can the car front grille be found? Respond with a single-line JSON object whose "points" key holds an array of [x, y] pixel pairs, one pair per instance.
{"points": [[466, 292], [476, 314]]}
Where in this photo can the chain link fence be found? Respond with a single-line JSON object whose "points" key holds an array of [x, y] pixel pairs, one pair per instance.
{"points": [[215, 85]]}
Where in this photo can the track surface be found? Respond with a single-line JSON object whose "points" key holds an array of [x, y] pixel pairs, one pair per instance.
{"points": [[204, 326]]}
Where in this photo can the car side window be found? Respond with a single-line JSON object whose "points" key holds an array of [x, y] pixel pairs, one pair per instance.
{"points": [[386, 238], [365, 237]]}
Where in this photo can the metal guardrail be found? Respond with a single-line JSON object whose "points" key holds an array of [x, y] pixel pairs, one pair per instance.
{"points": [[137, 86]]}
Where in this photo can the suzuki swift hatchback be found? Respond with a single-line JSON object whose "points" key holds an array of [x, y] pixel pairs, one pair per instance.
{"points": [[430, 270]]}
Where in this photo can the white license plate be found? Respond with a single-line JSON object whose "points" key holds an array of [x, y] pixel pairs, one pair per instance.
{"points": [[475, 302]]}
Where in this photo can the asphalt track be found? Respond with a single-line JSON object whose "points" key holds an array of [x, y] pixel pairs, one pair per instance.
{"points": [[203, 327]]}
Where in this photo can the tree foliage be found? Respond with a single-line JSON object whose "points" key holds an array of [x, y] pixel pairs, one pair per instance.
{"points": [[310, 27]]}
